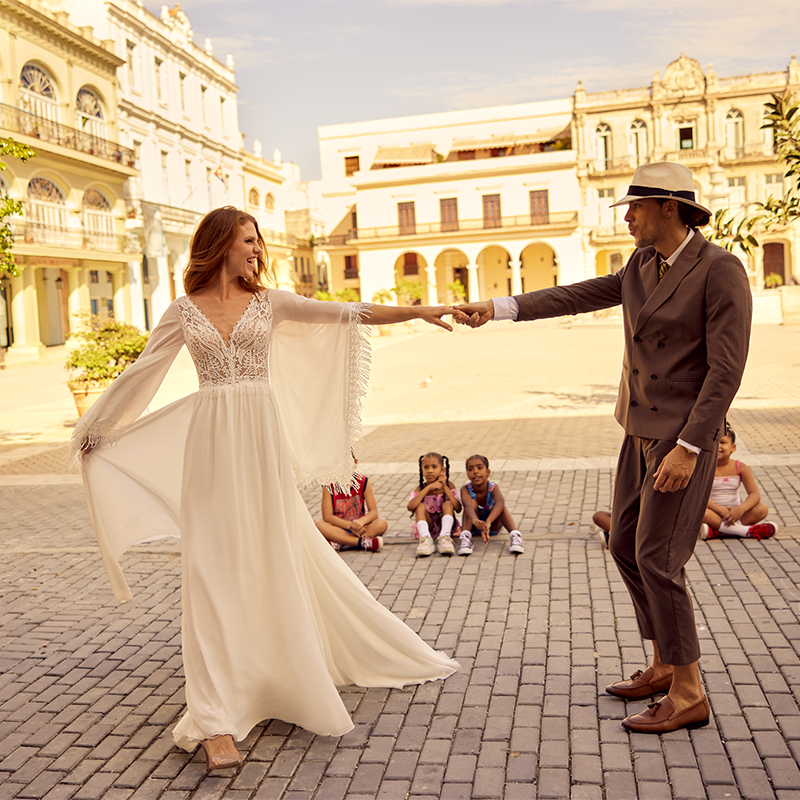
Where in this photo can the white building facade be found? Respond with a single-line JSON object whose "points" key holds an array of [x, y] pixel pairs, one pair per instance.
{"points": [[177, 112], [487, 199]]}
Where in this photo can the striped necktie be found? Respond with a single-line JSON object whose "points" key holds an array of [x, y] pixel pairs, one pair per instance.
{"points": [[663, 266]]}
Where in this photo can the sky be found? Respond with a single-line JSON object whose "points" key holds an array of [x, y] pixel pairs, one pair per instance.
{"points": [[305, 63]]}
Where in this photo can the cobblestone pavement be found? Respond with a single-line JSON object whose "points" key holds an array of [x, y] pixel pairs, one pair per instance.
{"points": [[89, 690]]}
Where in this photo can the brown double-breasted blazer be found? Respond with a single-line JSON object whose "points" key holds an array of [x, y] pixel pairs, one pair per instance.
{"points": [[686, 338]]}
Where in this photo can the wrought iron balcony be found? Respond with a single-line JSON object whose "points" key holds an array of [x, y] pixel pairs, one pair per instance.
{"points": [[455, 228], [35, 233], [18, 121]]}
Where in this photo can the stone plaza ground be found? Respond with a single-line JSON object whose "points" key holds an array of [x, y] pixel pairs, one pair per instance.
{"points": [[89, 690]]}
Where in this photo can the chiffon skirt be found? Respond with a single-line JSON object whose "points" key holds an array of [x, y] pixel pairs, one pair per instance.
{"points": [[273, 619]]}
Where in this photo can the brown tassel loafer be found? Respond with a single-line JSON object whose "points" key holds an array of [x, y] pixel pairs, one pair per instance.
{"points": [[661, 717], [639, 685]]}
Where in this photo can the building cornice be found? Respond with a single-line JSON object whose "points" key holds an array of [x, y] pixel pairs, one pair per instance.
{"points": [[67, 35], [446, 171], [198, 59]]}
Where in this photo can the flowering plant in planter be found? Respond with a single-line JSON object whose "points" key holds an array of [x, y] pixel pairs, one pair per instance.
{"points": [[106, 348]]}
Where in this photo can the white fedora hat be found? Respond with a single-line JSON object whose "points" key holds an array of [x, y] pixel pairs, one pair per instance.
{"points": [[663, 179]]}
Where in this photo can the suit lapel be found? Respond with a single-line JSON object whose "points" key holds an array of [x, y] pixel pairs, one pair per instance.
{"points": [[659, 292]]}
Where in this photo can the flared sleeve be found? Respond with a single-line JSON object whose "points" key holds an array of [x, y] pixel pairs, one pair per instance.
{"points": [[126, 399], [319, 368]]}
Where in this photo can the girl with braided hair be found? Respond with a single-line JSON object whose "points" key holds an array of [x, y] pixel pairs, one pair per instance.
{"points": [[434, 504]]}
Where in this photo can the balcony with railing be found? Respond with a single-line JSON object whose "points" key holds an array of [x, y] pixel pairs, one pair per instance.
{"points": [[27, 232], [619, 165], [455, 228], [18, 121]]}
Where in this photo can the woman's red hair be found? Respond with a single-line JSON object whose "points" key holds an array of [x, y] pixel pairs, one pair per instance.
{"points": [[211, 241]]}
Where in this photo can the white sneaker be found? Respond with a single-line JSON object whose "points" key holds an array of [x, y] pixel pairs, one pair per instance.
{"points": [[515, 543], [601, 536], [444, 544], [703, 533], [465, 544], [426, 547]]}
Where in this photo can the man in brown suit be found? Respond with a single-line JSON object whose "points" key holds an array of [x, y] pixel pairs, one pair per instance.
{"points": [[687, 310]]}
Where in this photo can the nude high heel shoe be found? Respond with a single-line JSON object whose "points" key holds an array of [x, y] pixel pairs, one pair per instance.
{"points": [[221, 752]]}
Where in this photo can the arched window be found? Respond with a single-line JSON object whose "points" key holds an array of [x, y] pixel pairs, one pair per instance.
{"points": [[734, 129], [46, 211], [89, 114], [602, 135], [37, 93], [269, 202], [253, 198], [639, 142], [98, 222]]}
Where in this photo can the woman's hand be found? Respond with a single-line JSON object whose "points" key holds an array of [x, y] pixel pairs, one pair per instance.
{"points": [[434, 314], [356, 527], [87, 447], [485, 529]]}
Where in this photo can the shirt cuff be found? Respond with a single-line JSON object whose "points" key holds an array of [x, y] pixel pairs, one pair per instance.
{"points": [[692, 447], [505, 308]]}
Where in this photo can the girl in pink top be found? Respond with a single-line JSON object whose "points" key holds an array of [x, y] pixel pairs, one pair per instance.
{"points": [[434, 504], [727, 514]]}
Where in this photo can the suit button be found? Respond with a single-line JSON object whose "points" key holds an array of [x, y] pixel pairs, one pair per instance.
{"points": [[653, 377], [660, 344], [634, 404], [638, 340], [653, 408], [636, 372]]}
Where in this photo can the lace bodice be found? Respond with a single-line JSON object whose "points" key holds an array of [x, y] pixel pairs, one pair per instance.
{"points": [[244, 359]]}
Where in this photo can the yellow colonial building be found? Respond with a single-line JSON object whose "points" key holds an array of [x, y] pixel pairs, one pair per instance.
{"points": [[711, 124], [58, 94]]}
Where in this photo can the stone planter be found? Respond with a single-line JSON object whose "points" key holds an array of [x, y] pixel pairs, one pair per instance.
{"points": [[85, 396], [790, 304]]}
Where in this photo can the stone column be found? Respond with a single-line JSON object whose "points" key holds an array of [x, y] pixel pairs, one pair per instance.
{"points": [[25, 318], [516, 277], [431, 296], [472, 282], [74, 305], [122, 296]]}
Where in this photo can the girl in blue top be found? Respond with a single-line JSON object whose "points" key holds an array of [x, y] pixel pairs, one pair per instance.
{"points": [[485, 511]]}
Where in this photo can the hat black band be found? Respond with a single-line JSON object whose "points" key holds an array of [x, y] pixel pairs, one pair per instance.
{"points": [[649, 191]]}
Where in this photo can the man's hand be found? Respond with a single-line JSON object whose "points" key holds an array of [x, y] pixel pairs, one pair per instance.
{"points": [[474, 314], [675, 471]]}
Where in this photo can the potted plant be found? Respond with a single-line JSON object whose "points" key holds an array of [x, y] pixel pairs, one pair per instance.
{"points": [[106, 348], [773, 280], [457, 290]]}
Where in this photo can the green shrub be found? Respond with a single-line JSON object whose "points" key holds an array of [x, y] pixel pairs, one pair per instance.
{"points": [[106, 349]]}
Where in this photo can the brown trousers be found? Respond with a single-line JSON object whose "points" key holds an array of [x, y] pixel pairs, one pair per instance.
{"points": [[653, 535]]}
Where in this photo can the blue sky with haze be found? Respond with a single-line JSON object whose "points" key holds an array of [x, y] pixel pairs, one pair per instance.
{"points": [[305, 63]]}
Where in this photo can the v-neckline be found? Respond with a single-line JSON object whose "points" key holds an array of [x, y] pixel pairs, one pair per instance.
{"points": [[205, 316]]}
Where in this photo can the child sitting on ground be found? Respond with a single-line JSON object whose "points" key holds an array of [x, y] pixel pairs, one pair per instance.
{"points": [[351, 520], [434, 504], [727, 514], [485, 511]]}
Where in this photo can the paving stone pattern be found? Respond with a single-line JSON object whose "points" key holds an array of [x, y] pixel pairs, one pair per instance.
{"points": [[89, 690]]}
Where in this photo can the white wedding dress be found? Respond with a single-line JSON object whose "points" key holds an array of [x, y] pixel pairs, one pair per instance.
{"points": [[273, 619]]}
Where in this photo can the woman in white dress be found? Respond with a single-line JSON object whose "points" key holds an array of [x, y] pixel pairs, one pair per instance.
{"points": [[273, 620]]}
